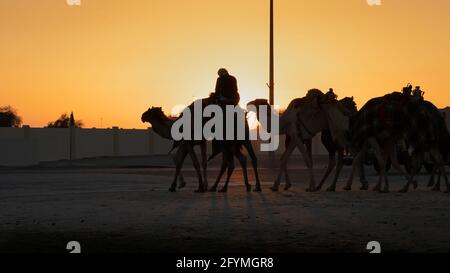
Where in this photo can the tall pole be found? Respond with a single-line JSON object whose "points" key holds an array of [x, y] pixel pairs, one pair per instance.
{"points": [[271, 73], [271, 69]]}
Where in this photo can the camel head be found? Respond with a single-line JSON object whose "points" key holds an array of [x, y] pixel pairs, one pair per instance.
{"points": [[152, 115], [258, 102]]}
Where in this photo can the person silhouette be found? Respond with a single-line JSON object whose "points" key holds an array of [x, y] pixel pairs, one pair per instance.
{"points": [[226, 93], [226, 88], [417, 93], [407, 91], [330, 95]]}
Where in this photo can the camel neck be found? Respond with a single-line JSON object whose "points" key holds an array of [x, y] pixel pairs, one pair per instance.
{"points": [[268, 124], [163, 127]]}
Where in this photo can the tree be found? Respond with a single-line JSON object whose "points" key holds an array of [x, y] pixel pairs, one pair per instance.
{"points": [[9, 117], [64, 122]]}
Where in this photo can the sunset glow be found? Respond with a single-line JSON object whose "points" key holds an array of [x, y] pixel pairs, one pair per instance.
{"points": [[110, 60]]}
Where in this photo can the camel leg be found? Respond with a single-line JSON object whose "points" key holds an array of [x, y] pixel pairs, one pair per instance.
{"points": [[447, 183], [330, 167], [308, 146], [181, 181], [378, 185], [179, 160], [288, 184], [327, 141], [405, 189], [312, 186], [397, 167], [222, 171], [394, 160], [243, 161], [357, 162], [201, 188], [382, 163], [230, 161], [437, 185], [436, 158], [362, 176], [386, 184], [309, 165], [433, 174], [288, 180], [254, 159], [441, 165], [204, 165], [284, 160], [381, 157], [340, 164]]}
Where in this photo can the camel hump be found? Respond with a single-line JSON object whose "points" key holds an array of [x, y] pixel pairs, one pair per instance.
{"points": [[395, 96], [315, 93], [315, 96], [296, 103]]}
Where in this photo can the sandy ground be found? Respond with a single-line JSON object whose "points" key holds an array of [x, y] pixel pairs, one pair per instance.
{"points": [[112, 209]]}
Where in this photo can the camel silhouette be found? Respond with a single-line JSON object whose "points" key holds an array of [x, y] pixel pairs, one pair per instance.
{"points": [[228, 148], [384, 121], [301, 121], [231, 149], [162, 125]]}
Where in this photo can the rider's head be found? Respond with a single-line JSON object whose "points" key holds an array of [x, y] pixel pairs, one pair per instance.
{"points": [[222, 72]]}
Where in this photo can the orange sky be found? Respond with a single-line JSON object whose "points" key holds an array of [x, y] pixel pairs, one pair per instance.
{"points": [[109, 60]]}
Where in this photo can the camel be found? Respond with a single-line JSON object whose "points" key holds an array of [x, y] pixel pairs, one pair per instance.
{"points": [[370, 129], [437, 143], [229, 149], [384, 121], [332, 148], [162, 125], [301, 121]]}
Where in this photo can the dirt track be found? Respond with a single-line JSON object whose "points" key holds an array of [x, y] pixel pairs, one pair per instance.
{"points": [[130, 210]]}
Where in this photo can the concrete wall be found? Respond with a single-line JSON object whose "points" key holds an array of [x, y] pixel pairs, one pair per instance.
{"points": [[29, 146]]}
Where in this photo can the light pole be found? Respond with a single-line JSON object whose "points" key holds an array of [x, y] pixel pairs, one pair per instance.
{"points": [[271, 61], [271, 72]]}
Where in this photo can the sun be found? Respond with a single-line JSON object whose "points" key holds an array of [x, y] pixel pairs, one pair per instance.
{"points": [[252, 120], [177, 110]]}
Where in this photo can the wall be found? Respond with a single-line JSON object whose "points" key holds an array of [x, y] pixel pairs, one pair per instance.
{"points": [[28, 146]]}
